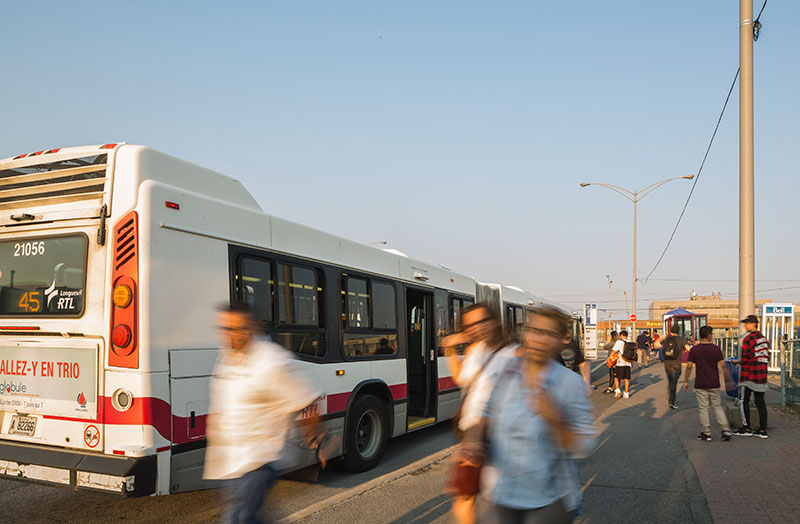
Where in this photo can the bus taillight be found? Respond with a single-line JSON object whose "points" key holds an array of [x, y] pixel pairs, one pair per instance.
{"points": [[125, 279], [121, 336]]}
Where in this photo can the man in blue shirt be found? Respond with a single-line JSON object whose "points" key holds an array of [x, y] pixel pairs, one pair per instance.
{"points": [[539, 420]]}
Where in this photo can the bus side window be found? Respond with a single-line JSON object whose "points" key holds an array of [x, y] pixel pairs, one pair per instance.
{"points": [[299, 325], [369, 319], [255, 287]]}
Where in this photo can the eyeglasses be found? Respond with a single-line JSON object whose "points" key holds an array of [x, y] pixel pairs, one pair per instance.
{"points": [[530, 331], [476, 323], [230, 329]]}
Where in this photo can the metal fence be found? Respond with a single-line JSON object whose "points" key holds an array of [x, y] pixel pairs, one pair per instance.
{"points": [[790, 377], [729, 346], [786, 358]]}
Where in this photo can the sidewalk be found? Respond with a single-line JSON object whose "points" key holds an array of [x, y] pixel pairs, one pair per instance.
{"points": [[650, 468]]}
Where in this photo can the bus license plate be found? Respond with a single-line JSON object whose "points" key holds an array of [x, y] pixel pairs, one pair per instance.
{"points": [[22, 425]]}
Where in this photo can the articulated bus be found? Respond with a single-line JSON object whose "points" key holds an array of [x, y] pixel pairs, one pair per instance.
{"points": [[112, 261]]}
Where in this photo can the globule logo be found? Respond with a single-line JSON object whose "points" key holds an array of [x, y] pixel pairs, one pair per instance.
{"points": [[12, 387], [81, 399]]}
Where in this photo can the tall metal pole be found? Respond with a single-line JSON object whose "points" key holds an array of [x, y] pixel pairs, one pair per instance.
{"points": [[608, 277], [747, 305], [635, 200]]}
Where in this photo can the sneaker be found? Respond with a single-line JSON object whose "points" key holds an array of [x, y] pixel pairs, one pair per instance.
{"points": [[743, 431], [673, 406], [608, 390], [626, 395], [704, 436], [726, 435], [617, 393], [761, 433]]}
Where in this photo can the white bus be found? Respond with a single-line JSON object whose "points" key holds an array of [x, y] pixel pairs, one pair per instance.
{"points": [[112, 260]]}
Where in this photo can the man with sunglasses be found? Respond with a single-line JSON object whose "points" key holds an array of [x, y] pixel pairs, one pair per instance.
{"points": [[256, 392]]}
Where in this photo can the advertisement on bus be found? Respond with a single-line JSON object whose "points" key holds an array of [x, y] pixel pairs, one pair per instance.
{"points": [[49, 381]]}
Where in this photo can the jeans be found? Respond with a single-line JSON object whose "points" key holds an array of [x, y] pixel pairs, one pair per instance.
{"points": [[704, 398], [611, 378], [555, 513], [247, 494], [673, 374], [761, 406]]}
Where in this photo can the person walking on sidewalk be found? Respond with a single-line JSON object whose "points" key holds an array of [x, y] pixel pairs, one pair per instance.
{"points": [[571, 357], [538, 420], [608, 347], [753, 376], [482, 331], [257, 391], [707, 358], [622, 371], [672, 347], [643, 344]]}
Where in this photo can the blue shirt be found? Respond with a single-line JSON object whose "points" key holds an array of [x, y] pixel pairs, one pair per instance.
{"points": [[526, 468]]}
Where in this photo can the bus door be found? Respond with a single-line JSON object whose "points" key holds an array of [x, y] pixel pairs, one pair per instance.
{"points": [[421, 361]]}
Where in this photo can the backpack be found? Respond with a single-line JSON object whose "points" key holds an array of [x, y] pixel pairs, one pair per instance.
{"points": [[671, 348], [629, 352]]}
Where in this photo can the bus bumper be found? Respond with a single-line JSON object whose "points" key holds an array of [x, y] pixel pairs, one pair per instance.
{"points": [[126, 476]]}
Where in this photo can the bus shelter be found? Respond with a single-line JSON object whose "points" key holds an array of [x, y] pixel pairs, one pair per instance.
{"points": [[687, 321], [777, 322]]}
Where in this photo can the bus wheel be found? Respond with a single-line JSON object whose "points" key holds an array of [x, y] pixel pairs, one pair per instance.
{"points": [[367, 433]]}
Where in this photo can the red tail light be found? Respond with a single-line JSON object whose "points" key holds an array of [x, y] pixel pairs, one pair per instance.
{"points": [[121, 337], [125, 274]]}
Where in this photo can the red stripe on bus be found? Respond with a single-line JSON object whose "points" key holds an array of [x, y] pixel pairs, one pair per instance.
{"points": [[156, 412], [399, 391], [338, 402], [446, 383]]}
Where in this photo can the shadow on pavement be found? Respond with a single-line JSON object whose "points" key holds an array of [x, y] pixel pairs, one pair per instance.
{"points": [[640, 471]]}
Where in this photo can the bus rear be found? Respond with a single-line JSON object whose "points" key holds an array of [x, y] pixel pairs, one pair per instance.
{"points": [[56, 310]]}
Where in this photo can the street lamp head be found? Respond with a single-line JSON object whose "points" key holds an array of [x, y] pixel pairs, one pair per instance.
{"points": [[584, 184], [689, 177]]}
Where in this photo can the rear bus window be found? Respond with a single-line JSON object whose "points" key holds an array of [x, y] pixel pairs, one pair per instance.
{"points": [[43, 276]]}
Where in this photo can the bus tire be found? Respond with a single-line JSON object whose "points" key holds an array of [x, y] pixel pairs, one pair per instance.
{"points": [[367, 434]]}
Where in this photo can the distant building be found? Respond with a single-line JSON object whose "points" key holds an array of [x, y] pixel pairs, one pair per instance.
{"points": [[722, 313]]}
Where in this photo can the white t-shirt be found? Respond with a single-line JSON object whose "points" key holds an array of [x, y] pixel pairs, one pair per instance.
{"points": [[619, 346], [254, 401], [479, 381]]}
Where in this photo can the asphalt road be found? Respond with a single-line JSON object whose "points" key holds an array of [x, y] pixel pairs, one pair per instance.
{"points": [[31, 503]]}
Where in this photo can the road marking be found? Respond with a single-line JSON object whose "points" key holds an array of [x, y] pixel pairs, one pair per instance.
{"points": [[388, 478]]}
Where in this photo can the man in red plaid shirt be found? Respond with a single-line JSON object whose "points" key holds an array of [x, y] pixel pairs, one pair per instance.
{"points": [[753, 376]]}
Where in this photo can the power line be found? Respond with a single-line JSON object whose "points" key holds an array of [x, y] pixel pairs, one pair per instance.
{"points": [[696, 178], [756, 33], [716, 280]]}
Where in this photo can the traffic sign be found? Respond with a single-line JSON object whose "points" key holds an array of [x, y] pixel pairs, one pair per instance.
{"points": [[633, 318]]}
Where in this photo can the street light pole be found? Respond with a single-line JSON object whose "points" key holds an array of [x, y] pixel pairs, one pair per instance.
{"points": [[635, 196]]}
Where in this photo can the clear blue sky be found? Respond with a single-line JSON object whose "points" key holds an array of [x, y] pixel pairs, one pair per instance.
{"points": [[456, 131]]}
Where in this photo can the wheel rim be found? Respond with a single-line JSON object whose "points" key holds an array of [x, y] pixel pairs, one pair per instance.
{"points": [[368, 434]]}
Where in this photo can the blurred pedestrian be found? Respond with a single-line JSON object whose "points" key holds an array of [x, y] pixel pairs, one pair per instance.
{"points": [[487, 349], [672, 347], [753, 376], [656, 338], [257, 391], [643, 345], [608, 347], [622, 369], [538, 420], [707, 358], [572, 357]]}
